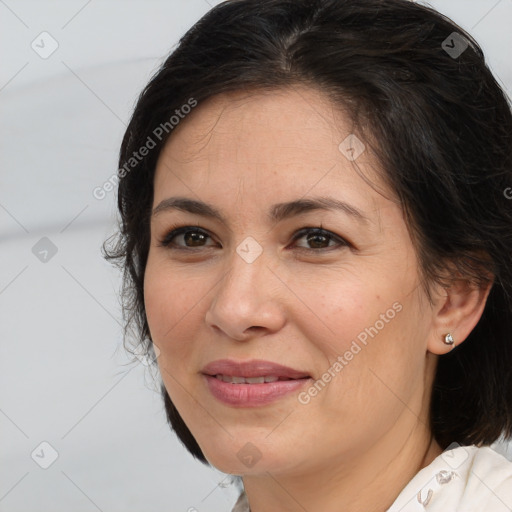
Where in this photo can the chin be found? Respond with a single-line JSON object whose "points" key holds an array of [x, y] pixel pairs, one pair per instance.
{"points": [[244, 455]]}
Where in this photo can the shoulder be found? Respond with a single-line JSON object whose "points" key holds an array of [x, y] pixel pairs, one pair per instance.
{"points": [[488, 481], [465, 478]]}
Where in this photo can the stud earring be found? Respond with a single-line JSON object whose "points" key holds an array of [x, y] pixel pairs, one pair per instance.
{"points": [[448, 339]]}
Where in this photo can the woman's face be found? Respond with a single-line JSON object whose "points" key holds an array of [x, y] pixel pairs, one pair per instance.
{"points": [[342, 306]]}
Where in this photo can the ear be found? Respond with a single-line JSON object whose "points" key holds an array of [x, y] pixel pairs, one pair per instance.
{"points": [[457, 310]]}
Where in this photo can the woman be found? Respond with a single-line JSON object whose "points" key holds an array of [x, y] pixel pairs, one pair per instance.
{"points": [[316, 242]]}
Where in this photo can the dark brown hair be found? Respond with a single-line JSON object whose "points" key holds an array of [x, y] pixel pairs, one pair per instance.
{"points": [[441, 126]]}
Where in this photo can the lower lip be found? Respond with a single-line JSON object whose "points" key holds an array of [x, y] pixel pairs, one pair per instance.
{"points": [[252, 395]]}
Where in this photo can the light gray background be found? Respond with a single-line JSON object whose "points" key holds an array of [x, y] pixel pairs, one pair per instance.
{"points": [[64, 377]]}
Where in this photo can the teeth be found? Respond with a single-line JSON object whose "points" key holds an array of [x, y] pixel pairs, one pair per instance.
{"points": [[255, 380], [248, 380]]}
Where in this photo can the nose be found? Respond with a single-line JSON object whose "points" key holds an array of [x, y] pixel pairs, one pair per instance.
{"points": [[246, 302]]}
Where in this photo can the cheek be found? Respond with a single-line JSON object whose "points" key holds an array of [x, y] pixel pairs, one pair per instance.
{"points": [[170, 301], [173, 305], [369, 336], [338, 311]]}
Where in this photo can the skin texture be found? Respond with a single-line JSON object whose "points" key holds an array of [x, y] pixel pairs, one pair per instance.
{"points": [[359, 441]]}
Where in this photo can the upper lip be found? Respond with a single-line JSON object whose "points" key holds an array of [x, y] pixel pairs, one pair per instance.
{"points": [[252, 368]]}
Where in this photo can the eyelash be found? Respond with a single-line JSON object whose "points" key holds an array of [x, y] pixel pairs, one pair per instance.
{"points": [[178, 230]]}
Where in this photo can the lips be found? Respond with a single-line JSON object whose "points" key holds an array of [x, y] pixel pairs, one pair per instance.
{"points": [[254, 383], [229, 370]]}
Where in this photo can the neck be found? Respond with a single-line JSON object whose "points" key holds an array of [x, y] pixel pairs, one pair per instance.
{"points": [[371, 481]]}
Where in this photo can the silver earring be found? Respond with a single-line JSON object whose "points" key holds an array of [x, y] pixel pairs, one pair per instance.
{"points": [[448, 339]]}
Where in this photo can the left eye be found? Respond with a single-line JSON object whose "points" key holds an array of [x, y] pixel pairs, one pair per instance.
{"points": [[196, 238], [318, 237]]}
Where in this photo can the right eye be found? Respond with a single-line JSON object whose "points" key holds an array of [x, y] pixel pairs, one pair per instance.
{"points": [[192, 236]]}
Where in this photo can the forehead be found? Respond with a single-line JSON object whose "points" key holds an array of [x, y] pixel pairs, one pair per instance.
{"points": [[266, 146], [298, 120]]}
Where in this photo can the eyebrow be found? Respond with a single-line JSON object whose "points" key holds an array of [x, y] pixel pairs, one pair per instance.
{"points": [[277, 212]]}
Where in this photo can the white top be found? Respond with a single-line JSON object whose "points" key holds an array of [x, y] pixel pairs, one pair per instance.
{"points": [[461, 479]]}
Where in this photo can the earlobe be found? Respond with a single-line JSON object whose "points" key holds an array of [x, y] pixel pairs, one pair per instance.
{"points": [[455, 315]]}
